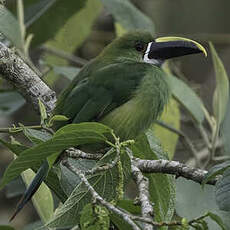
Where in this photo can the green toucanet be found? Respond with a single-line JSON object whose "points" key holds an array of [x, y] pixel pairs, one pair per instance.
{"points": [[123, 88]]}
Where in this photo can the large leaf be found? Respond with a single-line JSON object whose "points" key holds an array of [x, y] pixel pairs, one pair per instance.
{"points": [[221, 93], [187, 98], [68, 136], [10, 102], [78, 16], [53, 20], [162, 191], [105, 183], [202, 202], [168, 139], [223, 191], [128, 16], [9, 27], [34, 9]]}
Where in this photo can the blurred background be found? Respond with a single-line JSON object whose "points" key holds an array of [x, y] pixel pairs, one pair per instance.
{"points": [[207, 20]]}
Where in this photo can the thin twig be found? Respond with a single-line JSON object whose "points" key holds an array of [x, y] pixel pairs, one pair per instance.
{"points": [[204, 135], [62, 54], [19, 129]]}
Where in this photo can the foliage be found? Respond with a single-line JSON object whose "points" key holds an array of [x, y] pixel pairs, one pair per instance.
{"points": [[72, 22]]}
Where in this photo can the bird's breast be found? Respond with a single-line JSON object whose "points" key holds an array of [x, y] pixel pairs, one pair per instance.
{"points": [[147, 103]]}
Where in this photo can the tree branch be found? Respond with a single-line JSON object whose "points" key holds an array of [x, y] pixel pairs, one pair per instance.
{"points": [[173, 167], [14, 69], [143, 188], [98, 198]]}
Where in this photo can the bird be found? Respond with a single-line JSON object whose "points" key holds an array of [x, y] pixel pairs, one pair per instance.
{"points": [[124, 87]]}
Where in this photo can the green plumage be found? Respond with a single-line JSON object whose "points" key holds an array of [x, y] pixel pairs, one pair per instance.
{"points": [[119, 90]]}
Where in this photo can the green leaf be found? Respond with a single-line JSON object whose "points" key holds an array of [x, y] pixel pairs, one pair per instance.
{"points": [[63, 33], [216, 170], [64, 17], [42, 199], [217, 219], [128, 16], [43, 113], [170, 116], [94, 217], [68, 136], [105, 183], [203, 202], [197, 227], [9, 27], [57, 118], [35, 9], [187, 98], [6, 227], [221, 93], [162, 190], [223, 191], [204, 224], [84, 127], [10, 102], [66, 71], [36, 136]]}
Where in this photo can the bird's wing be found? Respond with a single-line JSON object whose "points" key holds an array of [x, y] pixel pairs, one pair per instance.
{"points": [[104, 90]]}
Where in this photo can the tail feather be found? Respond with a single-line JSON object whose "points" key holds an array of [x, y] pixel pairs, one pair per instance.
{"points": [[32, 188]]}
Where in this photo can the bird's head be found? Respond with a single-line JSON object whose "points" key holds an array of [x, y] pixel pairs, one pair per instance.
{"points": [[141, 46]]}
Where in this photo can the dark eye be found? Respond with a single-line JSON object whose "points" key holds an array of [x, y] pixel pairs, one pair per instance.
{"points": [[140, 46]]}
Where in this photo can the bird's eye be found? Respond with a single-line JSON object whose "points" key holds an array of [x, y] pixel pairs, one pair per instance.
{"points": [[140, 46]]}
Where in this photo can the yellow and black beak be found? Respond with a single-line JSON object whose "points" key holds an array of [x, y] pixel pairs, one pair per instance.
{"points": [[170, 47]]}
